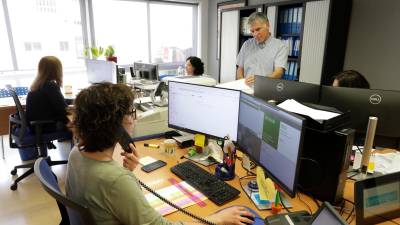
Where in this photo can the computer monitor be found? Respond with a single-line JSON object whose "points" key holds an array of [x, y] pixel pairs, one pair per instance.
{"points": [[327, 215], [363, 103], [203, 109], [377, 199], [146, 71], [280, 90], [273, 138]]}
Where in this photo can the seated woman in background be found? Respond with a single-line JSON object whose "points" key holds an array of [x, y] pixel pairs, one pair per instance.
{"points": [[45, 100], [350, 78], [194, 66], [112, 192]]}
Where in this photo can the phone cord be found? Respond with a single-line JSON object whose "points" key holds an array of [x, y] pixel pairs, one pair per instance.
{"points": [[175, 206]]}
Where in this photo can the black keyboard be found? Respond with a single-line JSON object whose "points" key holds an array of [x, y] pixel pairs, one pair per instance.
{"points": [[215, 189]]}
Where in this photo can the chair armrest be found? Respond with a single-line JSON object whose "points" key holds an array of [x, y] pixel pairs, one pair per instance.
{"points": [[41, 122]]}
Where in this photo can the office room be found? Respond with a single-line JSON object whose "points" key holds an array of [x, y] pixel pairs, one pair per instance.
{"points": [[326, 37]]}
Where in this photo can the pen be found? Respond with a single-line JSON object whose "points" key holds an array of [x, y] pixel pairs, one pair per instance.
{"points": [[151, 145]]}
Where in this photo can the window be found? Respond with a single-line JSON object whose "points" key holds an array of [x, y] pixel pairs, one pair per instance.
{"points": [[38, 28], [171, 32], [5, 53], [122, 24]]}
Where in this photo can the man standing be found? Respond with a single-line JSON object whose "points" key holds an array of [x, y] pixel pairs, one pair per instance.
{"points": [[261, 55]]}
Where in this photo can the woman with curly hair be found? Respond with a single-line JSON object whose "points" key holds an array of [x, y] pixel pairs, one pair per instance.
{"points": [[111, 192]]}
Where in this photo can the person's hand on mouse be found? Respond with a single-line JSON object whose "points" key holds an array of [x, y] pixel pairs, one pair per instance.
{"points": [[232, 216]]}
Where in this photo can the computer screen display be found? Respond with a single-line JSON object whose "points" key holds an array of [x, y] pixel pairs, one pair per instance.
{"points": [[273, 138], [327, 215], [363, 103], [377, 199], [281, 90], [203, 109], [146, 71]]}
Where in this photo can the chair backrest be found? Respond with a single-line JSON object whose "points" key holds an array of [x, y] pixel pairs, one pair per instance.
{"points": [[20, 111], [77, 213]]}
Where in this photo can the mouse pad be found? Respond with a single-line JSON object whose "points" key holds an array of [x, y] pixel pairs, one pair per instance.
{"points": [[257, 220]]}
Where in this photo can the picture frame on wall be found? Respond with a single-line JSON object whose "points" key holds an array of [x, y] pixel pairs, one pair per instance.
{"points": [[221, 6]]}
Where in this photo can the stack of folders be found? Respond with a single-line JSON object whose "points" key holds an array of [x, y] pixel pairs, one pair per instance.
{"points": [[290, 20]]}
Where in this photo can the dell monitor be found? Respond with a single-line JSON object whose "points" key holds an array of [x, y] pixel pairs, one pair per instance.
{"points": [[281, 90], [363, 103], [203, 109], [273, 138], [146, 71]]}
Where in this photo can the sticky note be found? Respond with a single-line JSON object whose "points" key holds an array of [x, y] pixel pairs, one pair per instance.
{"points": [[199, 140], [147, 160], [265, 186]]}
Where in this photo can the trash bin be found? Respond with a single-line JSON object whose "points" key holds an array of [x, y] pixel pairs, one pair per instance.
{"points": [[28, 153]]}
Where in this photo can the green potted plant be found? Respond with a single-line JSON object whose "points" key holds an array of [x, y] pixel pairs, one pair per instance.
{"points": [[110, 54], [93, 52]]}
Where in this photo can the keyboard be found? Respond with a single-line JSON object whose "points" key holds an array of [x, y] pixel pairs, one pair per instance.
{"points": [[215, 189]]}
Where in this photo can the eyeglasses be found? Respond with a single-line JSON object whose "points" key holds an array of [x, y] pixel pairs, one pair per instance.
{"points": [[132, 113]]}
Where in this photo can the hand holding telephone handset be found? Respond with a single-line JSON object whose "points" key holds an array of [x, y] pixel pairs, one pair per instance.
{"points": [[131, 157], [125, 141]]}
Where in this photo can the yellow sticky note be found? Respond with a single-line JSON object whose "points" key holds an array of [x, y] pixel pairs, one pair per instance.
{"points": [[199, 140], [266, 187]]}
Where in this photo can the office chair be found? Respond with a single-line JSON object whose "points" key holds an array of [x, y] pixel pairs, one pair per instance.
{"points": [[21, 136], [71, 211]]}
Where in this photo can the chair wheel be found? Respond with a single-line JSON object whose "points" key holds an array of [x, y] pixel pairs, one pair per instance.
{"points": [[14, 172], [14, 187]]}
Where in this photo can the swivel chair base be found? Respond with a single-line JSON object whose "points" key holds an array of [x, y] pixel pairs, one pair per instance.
{"points": [[14, 186]]}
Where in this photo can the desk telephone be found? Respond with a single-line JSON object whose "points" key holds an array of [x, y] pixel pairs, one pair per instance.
{"points": [[124, 140]]}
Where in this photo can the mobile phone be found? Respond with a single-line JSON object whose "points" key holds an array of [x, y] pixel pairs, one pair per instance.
{"points": [[125, 139], [153, 166]]}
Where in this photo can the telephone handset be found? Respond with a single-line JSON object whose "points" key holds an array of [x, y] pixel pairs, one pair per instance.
{"points": [[124, 140]]}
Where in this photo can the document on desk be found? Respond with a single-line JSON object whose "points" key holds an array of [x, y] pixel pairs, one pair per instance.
{"points": [[175, 195], [316, 114], [238, 85]]}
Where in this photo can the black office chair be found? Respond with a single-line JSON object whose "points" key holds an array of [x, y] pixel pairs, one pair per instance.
{"points": [[71, 211], [21, 136]]}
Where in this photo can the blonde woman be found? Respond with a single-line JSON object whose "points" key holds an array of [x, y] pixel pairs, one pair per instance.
{"points": [[45, 100]]}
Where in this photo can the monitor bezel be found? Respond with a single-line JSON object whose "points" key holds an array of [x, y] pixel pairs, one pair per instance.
{"points": [[290, 191], [194, 131], [359, 187], [326, 205]]}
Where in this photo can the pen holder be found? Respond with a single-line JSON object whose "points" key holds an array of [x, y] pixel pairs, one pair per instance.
{"points": [[226, 170]]}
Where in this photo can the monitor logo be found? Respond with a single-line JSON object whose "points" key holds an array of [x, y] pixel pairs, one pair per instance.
{"points": [[280, 86], [375, 99]]}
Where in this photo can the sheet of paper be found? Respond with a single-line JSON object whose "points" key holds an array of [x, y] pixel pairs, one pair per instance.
{"points": [[296, 107], [238, 85], [146, 160]]}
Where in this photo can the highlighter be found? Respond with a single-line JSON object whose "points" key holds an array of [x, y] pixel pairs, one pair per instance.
{"points": [[151, 145]]}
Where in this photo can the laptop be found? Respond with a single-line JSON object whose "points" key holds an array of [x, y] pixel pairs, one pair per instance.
{"points": [[326, 215], [377, 199]]}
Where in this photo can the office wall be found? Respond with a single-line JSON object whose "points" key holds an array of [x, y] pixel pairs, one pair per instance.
{"points": [[373, 46]]}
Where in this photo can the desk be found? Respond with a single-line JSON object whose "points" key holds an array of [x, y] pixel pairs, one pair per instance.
{"points": [[158, 179]]}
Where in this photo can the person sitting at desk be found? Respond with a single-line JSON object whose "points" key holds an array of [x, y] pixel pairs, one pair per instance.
{"points": [[112, 192], [45, 100], [263, 54], [194, 66], [350, 78]]}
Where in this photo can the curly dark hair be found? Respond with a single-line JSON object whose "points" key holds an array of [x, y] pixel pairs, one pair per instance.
{"points": [[351, 78], [197, 64], [99, 111]]}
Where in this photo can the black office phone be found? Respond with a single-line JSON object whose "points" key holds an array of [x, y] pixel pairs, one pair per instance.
{"points": [[125, 139]]}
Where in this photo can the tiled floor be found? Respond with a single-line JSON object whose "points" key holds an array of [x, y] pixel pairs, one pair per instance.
{"points": [[29, 204]]}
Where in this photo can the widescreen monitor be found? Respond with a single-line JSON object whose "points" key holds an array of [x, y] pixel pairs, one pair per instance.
{"points": [[203, 109], [363, 103], [146, 71], [327, 215], [273, 138], [281, 90]]}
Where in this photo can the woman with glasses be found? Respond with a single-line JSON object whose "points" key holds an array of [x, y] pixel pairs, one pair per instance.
{"points": [[94, 179]]}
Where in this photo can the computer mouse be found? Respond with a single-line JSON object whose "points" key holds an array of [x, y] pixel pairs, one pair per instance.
{"points": [[250, 218], [257, 220]]}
